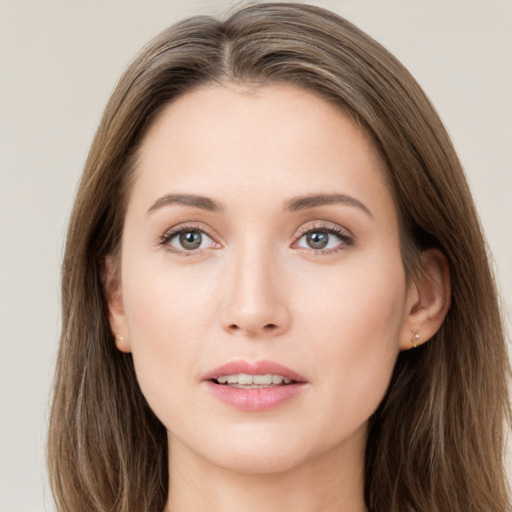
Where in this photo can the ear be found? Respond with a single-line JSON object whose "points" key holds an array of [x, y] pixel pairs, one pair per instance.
{"points": [[116, 315], [428, 300]]}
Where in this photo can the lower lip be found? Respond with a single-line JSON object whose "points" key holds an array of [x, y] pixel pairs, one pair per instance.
{"points": [[255, 399]]}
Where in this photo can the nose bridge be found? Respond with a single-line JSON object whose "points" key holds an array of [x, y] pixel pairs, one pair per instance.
{"points": [[255, 304]]}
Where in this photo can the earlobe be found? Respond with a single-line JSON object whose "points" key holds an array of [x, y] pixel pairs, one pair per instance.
{"points": [[428, 300], [116, 314], [123, 345]]}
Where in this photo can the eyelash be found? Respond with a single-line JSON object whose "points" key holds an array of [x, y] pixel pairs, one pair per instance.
{"points": [[346, 238], [178, 230]]}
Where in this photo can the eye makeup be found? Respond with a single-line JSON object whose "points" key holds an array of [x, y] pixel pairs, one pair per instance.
{"points": [[320, 238], [190, 236]]}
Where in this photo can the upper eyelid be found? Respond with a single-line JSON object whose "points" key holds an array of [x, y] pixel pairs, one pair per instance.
{"points": [[171, 233], [192, 226], [164, 240], [344, 235], [300, 231], [322, 225]]}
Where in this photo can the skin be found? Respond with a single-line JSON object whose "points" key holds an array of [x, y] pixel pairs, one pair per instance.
{"points": [[256, 289]]}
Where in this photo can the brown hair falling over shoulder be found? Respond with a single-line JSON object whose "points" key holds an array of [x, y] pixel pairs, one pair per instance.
{"points": [[436, 443]]}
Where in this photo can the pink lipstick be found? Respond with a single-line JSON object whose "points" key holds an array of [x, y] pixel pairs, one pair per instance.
{"points": [[254, 386]]}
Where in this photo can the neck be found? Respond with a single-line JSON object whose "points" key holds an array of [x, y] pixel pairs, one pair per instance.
{"points": [[331, 482]]}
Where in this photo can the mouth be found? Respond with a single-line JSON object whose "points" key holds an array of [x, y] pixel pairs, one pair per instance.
{"points": [[248, 381], [254, 386]]}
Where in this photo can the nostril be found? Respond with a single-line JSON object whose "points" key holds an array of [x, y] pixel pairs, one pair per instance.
{"points": [[253, 330]]}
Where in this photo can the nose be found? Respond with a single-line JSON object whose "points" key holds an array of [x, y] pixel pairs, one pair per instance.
{"points": [[255, 298]]}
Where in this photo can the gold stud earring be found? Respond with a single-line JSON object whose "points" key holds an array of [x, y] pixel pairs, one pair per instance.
{"points": [[415, 338]]}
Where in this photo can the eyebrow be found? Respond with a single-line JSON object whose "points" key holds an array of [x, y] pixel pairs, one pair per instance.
{"points": [[314, 200], [295, 204], [201, 202]]}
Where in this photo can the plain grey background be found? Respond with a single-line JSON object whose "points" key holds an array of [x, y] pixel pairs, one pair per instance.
{"points": [[59, 61]]}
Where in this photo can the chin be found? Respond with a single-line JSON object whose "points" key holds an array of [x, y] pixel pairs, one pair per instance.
{"points": [[246, 450], [270, 460]]}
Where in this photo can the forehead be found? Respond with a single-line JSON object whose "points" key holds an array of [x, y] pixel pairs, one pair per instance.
{"points": [[268, 140]]}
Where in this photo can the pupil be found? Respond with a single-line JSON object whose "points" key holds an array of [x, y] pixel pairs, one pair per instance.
{"points": [[190, 239], [317, 240]]}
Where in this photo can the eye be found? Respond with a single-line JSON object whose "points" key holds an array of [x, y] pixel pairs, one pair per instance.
{"points": [[187, 239], [324, 239]]}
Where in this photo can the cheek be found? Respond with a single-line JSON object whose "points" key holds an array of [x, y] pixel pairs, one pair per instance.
{"points": [[353, 326], [162, 299], [363, 299], [169, 316]]}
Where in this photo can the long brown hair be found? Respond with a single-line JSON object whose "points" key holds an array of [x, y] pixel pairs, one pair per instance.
{"points": [[436, 442]]}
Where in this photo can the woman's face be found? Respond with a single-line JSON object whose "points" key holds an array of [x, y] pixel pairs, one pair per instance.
{"points": [[261, 239]]}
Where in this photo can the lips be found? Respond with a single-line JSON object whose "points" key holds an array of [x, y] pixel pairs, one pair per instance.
{"points": [[254, 386]]}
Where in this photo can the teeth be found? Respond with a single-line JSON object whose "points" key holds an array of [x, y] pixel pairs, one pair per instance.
{"points": [[244, 379]]}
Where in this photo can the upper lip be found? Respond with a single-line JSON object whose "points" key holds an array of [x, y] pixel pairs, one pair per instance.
{"points": [[253, 368]]}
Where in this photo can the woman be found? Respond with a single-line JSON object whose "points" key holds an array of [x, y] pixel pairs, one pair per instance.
{"points": [[276, 293]]}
